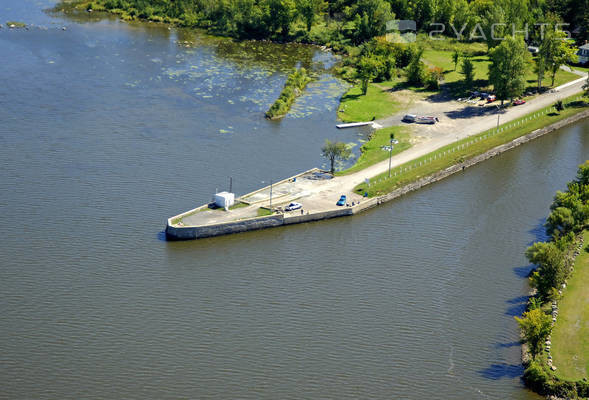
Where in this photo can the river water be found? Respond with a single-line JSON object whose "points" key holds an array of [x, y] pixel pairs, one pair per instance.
{"points": [[106, 129]]}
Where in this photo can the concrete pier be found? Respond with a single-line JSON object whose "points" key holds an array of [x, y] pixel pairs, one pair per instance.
{"points": [[318, 192]]}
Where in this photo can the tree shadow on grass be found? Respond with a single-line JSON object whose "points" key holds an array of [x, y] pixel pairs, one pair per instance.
{"points": [[459, 88], [347, 97], [500, 371], [577, 104]]}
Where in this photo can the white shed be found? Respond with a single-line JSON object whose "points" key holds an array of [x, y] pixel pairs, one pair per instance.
{"points": [[224, 199]]}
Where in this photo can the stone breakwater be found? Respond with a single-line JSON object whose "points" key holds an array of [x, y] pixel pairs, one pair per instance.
{"points": [[175, 232]]}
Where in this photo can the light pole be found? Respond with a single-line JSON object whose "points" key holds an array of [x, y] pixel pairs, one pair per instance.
{"points": [[270, 194], [498, 115], [391, 152]]}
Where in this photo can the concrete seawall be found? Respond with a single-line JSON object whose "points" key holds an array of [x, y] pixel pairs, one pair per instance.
{"points": [[196, 232]]}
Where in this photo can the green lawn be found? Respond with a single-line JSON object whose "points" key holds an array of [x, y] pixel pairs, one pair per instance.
{"points": [[443, 59], [570, 336], [377, 103], [584, 68], [263, 212], [372, 151], [464, 149]]}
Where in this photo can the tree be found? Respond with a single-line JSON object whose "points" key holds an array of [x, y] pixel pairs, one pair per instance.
{"points": [[309, 10], [555, 51], [536, 327], [586, 86], [493, 25], [583, 172], [559, 106], [551, 271], [416, 72], [540, 69], [370, 18], [467, 69], [508, 68], [455, 58], [367, 70], [335, 151], [281, 14]]}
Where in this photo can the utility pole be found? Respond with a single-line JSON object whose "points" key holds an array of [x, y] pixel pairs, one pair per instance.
{"points": [[270, 194], [391, 152], [230, 184], [498, 115]]}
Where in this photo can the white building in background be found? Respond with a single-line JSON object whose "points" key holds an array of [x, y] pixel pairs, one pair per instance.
{"points": [[583, 54]]}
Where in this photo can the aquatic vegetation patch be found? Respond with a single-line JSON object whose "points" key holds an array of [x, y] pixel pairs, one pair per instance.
{"points": [[15, 24], [294, 86]]}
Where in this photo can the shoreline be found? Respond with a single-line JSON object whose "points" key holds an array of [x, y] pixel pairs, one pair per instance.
{"points": [[175, 232], [550, 391]]}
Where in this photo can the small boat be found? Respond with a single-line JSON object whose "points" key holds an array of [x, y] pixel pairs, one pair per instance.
{"points": [[426, 120]]}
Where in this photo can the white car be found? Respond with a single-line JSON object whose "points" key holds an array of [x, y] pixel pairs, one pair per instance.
{"points": [[293, 206]]}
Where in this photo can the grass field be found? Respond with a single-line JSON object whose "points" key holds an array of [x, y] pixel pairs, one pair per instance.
{"points": [[443, 59], [570, 336], [263, 212], [372, 151], [584, 68], [382, 99], [377, 103], [464, 149]]}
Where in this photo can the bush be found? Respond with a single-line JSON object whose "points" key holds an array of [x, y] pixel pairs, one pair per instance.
{"points": [[433, 77], [431, 82], [416, 72], [583, 388], [536, 377], [564, 389]]}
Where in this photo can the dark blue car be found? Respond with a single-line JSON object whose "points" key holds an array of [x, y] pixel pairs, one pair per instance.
{"points": [[342, 200]]}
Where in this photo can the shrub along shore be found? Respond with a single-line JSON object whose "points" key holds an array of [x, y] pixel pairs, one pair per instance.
{"points": [[293, 87], [566, 226]]}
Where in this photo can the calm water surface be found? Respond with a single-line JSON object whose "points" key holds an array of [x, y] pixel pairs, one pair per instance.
{"points": [[108, 128]]}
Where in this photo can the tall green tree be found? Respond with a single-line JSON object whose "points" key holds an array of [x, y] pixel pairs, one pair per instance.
{"points": [[335, 151], [455, 58], [416, 71], [555, 51], [551, 271], [540, 70], [309, 10], [493, 24], [370, 18], [536, 327], [281, 15], [367, 69], [508, 68], [467, 69]]}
